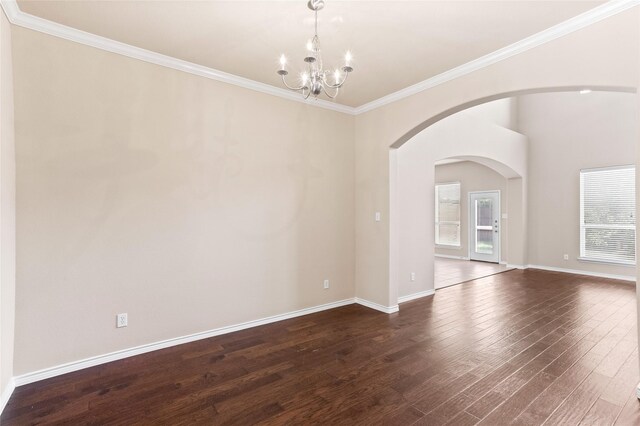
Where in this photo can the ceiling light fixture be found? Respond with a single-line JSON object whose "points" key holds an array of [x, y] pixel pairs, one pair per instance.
{"points": [[585, 91], [316, 80]]}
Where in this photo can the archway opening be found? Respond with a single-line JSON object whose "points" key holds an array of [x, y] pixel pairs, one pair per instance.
{"points": [[465, 138], [473, 196]]}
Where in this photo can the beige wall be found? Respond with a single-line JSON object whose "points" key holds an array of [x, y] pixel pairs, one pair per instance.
{"points": [[569, 132], [134, 178], [7, 206], [603, 54], [517, 222], [503, 112], [187, 203], [473, 177]]}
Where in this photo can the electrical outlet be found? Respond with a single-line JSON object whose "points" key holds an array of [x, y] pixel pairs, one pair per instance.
{"points": [[326, 284], [121, 320], [377, 217], [566, 257], [413, 276]]}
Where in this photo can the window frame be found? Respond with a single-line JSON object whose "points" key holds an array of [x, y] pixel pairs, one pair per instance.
{"points": [[447, 222], [583, 227]]}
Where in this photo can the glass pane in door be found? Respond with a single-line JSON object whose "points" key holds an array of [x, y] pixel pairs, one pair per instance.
{"points": [[484, 226], [484, 241], [484, 212]]}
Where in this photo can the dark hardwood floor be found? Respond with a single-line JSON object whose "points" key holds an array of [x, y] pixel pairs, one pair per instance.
{"points": [[521, 347]]}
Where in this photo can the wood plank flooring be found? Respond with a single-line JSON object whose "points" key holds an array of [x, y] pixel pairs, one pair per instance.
{"points": [[521, 347], [448, 272]]}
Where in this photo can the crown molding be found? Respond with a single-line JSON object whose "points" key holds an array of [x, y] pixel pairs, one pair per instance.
{"points": [[25, 20], [583, 20], [597, 14], [11, 9]]}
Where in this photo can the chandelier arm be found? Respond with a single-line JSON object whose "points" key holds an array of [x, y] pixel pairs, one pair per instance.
{"points": [[297, 89], [324, 89], [336, 85]]}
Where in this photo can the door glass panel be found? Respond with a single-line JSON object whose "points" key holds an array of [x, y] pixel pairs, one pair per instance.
{"points": [[484, 226], [484, 212], [484, 241]]}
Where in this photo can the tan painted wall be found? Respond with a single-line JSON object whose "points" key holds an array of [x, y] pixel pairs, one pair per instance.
{"points": [[187, 203], [638, 193], [473, 177], [569, 132], [603, 54], [503, 112], [517, 206], [133, 179], [7, 206]]}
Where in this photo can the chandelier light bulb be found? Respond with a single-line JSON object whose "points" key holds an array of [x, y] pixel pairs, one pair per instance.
{"points": [[316, 80]]}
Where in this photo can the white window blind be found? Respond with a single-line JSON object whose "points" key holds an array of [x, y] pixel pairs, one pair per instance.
{"points": [[448, 214], [608, 214]]}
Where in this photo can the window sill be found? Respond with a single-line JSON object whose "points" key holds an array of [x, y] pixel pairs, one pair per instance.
{"points": [[447, 247], [607, 262]]}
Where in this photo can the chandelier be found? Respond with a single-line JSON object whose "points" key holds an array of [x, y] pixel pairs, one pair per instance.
{"points": [[316, 80]]}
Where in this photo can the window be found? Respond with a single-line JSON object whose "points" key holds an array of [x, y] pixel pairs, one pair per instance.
{"points": [[608, 215], [448, 214]]}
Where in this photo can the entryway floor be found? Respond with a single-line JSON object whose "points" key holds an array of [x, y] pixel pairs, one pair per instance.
{"points": [[449, 272]]}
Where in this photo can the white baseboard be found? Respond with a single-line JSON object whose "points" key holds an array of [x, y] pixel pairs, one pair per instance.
{"points": [[510, 265], [588, 273], [446, 256], [417, 295], [58, 370], [46, 373], [6, 394], [377, 306]]}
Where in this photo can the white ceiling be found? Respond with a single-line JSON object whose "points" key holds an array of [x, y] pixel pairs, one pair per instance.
{"points": [[395, 43]]}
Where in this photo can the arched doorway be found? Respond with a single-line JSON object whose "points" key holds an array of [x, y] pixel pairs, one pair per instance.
{"points": [[484, 151]]}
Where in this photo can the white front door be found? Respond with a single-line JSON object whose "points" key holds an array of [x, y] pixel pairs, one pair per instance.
{"points": [[484, 226]]}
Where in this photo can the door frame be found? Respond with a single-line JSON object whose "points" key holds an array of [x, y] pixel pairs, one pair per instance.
{"points": [[472, 228]]}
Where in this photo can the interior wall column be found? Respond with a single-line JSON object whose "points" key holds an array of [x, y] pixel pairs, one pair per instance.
{"points": [[516, 222]]}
